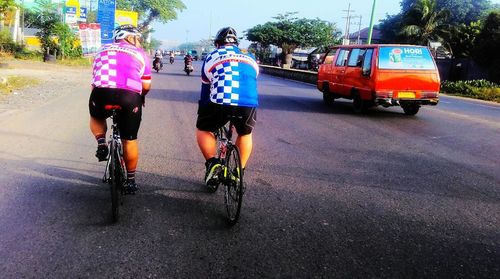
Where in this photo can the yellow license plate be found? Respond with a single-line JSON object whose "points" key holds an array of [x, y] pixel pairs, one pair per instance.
{"points": [[406, 95]]}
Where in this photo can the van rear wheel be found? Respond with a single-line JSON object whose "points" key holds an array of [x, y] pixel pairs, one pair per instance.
{"points": [[410, 109]]}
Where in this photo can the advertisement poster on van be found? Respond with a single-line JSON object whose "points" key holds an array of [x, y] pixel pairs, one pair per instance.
{"points": [[405, 58]]}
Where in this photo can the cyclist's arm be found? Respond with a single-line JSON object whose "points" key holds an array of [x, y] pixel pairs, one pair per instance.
{"points": [[146, 77], [205, 86], [146, 84]]}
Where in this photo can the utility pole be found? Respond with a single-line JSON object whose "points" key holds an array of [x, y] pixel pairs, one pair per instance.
{"points": [[371, 23], [359, 29], [210, 30], [347, 24]]}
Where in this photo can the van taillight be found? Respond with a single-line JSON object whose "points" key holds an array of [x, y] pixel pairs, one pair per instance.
{"points": [[384, 94], [429, 94]]}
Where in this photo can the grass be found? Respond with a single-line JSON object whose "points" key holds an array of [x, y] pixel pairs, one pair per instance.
{"points": [[82, 61], [15, 83]]}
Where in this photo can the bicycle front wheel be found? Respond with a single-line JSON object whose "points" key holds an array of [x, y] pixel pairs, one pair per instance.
{"points": [[233, 182], [116, 183]]}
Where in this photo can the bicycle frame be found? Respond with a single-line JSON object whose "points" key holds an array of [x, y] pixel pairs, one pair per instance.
{"points": [[224, 140], [115, 145]]}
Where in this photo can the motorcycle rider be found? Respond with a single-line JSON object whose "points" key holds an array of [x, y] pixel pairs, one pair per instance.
{"points": [[158, 58], [172, 56], [188, 60]]}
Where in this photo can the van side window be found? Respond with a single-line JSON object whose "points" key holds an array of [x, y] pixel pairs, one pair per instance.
{"points": [[360, 58], [367, 62], [356, 57], [329, 56], [342, 57], [353, 58]]}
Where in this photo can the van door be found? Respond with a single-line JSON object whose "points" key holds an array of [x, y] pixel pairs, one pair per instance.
{"points": [[325, 73], [338, 72], [352, 75]]}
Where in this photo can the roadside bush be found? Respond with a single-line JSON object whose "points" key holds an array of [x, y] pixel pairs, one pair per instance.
{"points": [[478, 89], [25, 54], [68, 44], [6, 43]]}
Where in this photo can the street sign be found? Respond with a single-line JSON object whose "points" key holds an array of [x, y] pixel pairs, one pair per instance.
{"points": [[106, 18], [83, 15]]}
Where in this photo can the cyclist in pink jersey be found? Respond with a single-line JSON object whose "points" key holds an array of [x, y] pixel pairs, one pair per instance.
{"points": [[121, 77]]}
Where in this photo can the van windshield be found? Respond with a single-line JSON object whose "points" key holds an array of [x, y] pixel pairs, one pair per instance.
{"points": [[405, 58]]}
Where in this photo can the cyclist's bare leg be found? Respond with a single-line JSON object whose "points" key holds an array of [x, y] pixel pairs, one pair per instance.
{"points": [[98, 126], [207, 143], [130, 154], [245, 144]]}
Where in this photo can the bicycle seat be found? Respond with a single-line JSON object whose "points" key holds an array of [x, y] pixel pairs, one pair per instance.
{"points": [[112, 107]]}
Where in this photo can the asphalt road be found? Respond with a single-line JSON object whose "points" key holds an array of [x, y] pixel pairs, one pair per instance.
{"points": [[330, 194]]}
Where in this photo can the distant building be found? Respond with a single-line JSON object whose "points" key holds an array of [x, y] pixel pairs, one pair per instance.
{"points": [[362, 35]]}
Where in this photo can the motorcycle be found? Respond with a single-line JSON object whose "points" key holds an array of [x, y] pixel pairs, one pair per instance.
{"points": [[171, 60], [157, 64], [188, 68]]}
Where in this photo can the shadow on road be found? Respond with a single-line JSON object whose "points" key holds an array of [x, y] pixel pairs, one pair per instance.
{"points": [[86, 201], [316, 105]]}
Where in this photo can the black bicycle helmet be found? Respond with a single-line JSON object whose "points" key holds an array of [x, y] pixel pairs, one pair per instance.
{"points": [[121, 32], [226, 35]]}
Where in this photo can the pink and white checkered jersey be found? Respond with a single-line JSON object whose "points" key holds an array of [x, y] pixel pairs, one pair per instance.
{"points": [[121, 65]]}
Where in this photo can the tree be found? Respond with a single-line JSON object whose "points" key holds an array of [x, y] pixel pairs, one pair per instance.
{"points": [[151, 10], [424, 22], [48, 19], [390, 28], [486, 52], [154, 44], [66, 41], [290, 33], [5, 5], [464, 11], [463, 38]]}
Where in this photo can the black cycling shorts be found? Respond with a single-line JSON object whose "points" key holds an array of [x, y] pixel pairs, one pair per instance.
{"points": [[129, 116], [213, 116]]}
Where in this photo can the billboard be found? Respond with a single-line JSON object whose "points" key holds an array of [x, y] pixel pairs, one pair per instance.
{"points": [[405, 58], [90, 37], [126, 17]]}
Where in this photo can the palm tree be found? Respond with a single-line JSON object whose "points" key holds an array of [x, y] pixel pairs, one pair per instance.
{"points": [[424, 23]]}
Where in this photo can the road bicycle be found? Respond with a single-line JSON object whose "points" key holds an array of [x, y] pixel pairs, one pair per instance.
{"points": [[115, 173], [230, 174]]}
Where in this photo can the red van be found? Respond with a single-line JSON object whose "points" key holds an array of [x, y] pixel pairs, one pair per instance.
{"points": [[386, 75]]}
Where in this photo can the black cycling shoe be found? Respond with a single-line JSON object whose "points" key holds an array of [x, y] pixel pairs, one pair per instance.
{"points": [[102, 152], [213, 168], [130, 187]]}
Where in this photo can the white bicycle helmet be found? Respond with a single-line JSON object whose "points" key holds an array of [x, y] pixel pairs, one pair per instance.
{"points": [[121, 32]]}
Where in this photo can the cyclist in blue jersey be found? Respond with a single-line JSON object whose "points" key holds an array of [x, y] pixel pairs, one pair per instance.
{"points": [[228, 91]]}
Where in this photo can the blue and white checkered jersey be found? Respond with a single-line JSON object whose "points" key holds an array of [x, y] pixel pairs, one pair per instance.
{"points": [[229, 77]]}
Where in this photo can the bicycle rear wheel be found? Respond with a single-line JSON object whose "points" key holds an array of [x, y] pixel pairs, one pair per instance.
{"points": [[233, 182], [116, 173]]}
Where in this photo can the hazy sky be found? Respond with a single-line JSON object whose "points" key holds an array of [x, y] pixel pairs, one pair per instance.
{"points": [[202, 18]]}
